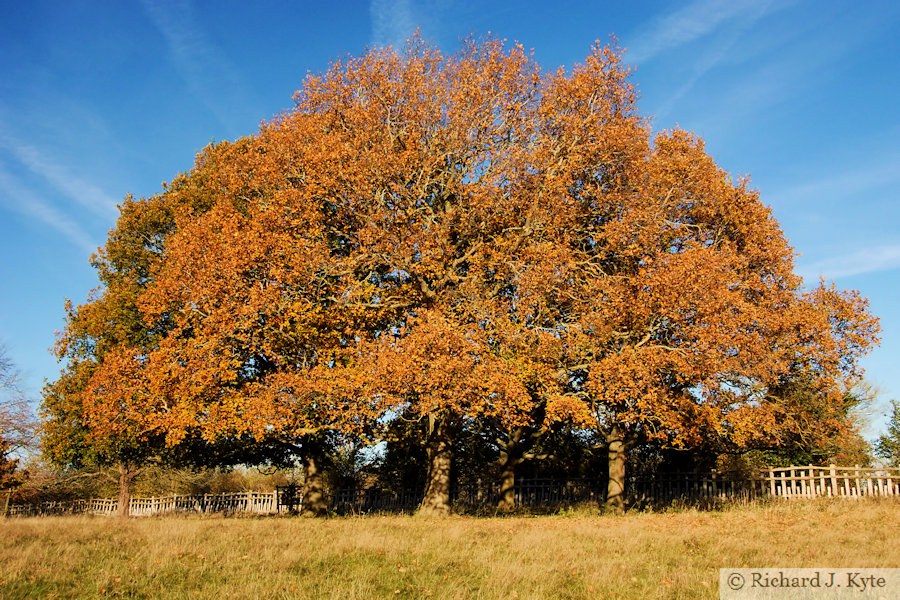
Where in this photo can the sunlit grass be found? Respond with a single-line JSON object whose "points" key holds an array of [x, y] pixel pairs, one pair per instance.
{"points": [[673, 555]]}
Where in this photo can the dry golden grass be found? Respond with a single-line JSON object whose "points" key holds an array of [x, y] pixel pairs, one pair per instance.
{"points": [[643, 556]]}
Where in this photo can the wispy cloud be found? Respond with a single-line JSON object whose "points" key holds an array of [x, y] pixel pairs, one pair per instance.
{"points": [[849, 183], [83, 192], [777, 68], [15, 197], [701, 68], [690, 23], [826, 205], [865, 260], [202, 64], [392, 22], [726, 21]]}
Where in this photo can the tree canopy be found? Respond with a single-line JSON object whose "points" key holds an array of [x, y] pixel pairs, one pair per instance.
{"points": [[457, 239]]}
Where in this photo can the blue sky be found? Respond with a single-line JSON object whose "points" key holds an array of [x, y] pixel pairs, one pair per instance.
{"points": [[103, 98]]}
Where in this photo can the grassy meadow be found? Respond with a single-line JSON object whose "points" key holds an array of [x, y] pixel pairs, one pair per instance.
{"points": [[672, 555]]}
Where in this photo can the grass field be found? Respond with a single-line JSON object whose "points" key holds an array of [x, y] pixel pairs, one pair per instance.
{"points": [[674, 555]]}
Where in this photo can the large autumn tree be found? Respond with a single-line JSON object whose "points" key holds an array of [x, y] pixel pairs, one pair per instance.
{"points": [[465, 239]]}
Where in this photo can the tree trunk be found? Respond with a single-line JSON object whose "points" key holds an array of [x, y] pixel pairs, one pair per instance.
{"points": [[127, 473], [511, 456], [436, 502], [507, 482], [313, 503], [615, 490], [519, 442]]}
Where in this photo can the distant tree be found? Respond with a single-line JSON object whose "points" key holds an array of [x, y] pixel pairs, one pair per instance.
{"points": [[888, 445], [17, 424]]}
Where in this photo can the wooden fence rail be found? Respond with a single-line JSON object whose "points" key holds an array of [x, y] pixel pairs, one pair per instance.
{"points": [[832, 481], [783, 482], [237, 502]]}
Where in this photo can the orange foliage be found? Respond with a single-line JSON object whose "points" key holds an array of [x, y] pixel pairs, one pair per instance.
{"points": [[465, 236]]}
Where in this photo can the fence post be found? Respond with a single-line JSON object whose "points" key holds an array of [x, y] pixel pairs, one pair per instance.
{"points": [[810, 481]]}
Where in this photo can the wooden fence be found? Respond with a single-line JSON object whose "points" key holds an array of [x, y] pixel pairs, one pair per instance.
{"points": [[786, 482], [230, 503], [832, 481]]}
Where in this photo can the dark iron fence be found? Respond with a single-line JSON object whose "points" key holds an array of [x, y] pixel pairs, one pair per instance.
{"points": [[533, 493], [672, 487]]}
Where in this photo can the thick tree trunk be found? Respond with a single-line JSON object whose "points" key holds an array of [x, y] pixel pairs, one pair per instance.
{"points": [[507, 483], [127, 473], [511, 456], [615, 490], [436, 502], [313, 503]]}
